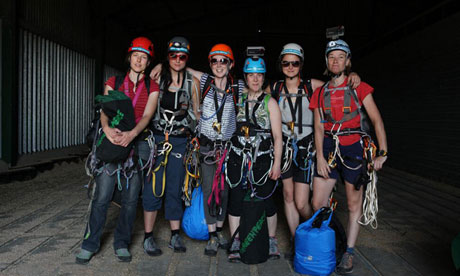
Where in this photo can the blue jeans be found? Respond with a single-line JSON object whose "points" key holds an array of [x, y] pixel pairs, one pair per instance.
{"points": [[105, 185]]}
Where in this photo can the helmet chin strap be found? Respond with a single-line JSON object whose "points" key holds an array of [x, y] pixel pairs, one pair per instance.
{"points": [[335, 76]]}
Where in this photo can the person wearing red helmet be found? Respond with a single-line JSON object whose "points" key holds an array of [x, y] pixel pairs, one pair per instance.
{"points": [[144, 103], [173, 121]]}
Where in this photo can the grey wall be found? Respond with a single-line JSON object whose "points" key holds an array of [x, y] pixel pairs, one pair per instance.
{"points": [[417, 85]]}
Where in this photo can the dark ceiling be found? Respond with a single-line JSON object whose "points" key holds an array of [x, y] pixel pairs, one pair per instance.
{"points": [[272, 24]]}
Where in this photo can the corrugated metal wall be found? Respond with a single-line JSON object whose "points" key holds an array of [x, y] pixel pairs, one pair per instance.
{"points": [[55, 94]]}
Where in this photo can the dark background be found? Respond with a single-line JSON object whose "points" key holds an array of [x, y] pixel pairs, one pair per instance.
{"points": [[407, 50]]}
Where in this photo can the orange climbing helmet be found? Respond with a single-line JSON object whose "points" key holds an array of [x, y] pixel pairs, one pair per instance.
{"points": [[221, 49]]}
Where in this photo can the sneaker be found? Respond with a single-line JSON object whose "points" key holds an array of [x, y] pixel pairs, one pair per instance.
{"points": [[223, 242], [151, 248], [212, 246], [177, 244], [346, 264], [273, 252], [83, 256], [123, 255], [234, 252]]}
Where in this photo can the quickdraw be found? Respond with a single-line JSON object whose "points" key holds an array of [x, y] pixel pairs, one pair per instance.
{"points": [[192, 170], [289, 150], [308, 165]]}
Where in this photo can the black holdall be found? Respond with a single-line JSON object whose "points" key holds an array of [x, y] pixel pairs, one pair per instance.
{"points": [[253, 231], [119, 109]]}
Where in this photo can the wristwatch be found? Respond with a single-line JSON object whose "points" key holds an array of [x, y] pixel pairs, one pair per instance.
{"points": [[383, 153]]}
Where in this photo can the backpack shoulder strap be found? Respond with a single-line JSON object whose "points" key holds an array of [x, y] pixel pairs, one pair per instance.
{"points": [[266, 99], [276, 89], [118, 81], [309, 89], [206, 88], [147, 84]]}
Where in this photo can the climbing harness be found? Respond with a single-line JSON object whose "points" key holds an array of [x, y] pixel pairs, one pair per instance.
{"points": [[249, 137], [369, 177]]}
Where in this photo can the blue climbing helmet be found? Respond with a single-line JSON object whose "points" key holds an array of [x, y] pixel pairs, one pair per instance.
{"points": [[179, 44], [338, 44], [254, 65]]}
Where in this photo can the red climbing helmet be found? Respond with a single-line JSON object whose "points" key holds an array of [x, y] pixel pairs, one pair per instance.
{"points": [[142, 44]]}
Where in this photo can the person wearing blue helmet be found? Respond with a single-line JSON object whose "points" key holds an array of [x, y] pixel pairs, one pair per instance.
{"points": [[342, 139], [257, 137]]}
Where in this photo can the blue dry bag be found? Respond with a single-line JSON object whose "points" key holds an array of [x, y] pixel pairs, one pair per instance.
{"points": [[193, 221], [315, 247]]}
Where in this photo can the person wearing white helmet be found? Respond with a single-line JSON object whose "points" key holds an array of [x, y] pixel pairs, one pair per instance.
{"points": [[340, 136], [293, 94]]}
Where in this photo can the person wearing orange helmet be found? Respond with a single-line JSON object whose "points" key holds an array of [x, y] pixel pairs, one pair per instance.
{"points": [[215, 128], [134, 85]]}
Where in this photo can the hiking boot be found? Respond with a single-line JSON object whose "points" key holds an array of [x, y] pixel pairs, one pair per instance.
{"points": [[223, 242], [212, 246], [273, 252], [177, 244], [234, 252], [151, 248], [83, 256], [123, 255], [346, 264]]}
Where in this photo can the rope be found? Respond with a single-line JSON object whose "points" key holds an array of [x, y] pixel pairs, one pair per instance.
{"points": [[370, 204], [192, 170], [166, 150]]}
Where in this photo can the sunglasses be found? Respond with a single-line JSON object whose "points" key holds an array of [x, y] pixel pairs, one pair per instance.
{"points": [[175, 56], [286, 63], [223, 61]]}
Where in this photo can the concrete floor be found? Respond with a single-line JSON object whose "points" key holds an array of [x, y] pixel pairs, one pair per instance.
{"points": [[42, 221]]}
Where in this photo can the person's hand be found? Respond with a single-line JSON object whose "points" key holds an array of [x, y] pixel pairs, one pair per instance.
{"points": [[155, 73], [378, 162], [354, 80], [126, 137], [322, 167], [113, 134], [275, 172]]}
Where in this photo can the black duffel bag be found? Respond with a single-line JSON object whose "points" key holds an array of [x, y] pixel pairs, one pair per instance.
{"points": [[119, 109], [253, 231]]}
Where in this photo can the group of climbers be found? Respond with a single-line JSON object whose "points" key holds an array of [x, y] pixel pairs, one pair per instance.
{"points": [[304, 131]]}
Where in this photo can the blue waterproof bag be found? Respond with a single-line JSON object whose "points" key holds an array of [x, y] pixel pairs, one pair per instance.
{"points": [[193, 221], [315, 247]]}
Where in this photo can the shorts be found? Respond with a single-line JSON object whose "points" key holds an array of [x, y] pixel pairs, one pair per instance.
{"points": [[237, 194], [352, 156], [298, 175], [175, 174]]}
